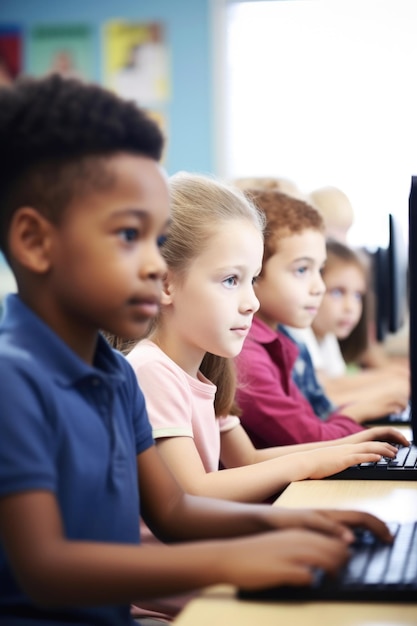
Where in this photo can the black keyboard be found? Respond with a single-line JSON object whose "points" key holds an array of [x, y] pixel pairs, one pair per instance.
{"points": [[403, 467], [376, 572]]}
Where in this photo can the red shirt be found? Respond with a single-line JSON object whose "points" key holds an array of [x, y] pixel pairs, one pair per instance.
{"points": [[274, 411]]}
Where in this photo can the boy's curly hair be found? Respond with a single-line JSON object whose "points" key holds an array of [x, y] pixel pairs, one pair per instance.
{"points": [[285, 215], [55, 137]]}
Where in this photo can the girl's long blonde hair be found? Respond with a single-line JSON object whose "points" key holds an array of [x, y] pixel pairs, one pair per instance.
{"points": [[199, 206]]}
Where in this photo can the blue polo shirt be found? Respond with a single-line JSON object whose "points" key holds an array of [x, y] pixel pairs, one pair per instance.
{"points": [[75, 430]]}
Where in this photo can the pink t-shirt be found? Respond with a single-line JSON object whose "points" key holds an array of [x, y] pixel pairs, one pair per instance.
{"points": [[178, 404]]}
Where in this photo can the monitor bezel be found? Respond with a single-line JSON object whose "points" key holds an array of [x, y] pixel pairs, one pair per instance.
{"points": [[412, 269]]}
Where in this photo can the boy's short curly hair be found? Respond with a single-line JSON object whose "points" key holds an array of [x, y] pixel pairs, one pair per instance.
{"points": [[285, 215], [56, 135]]}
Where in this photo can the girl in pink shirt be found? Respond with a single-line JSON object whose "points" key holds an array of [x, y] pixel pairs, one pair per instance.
{"points": [[185, 367]]}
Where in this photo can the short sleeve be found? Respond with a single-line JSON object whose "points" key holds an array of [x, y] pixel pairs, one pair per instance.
{"points": [[27, 432], [167, 399], [229, 422]]}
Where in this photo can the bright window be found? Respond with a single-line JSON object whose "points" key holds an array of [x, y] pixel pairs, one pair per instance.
{"points": [[324, 92]]}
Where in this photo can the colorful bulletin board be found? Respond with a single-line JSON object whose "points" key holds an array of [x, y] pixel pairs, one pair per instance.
{"points": [[63, 48], [11, 50], [136, 63]]}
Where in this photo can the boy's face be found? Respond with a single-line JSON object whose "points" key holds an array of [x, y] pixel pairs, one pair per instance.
{"points": [[341, 308], [106, 269], [291, 288]]}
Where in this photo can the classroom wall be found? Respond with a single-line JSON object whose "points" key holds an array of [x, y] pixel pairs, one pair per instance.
{"points": [[190, 119]]}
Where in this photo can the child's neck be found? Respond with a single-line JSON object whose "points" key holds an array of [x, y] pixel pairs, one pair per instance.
{"points": [[81, 339], [187, 357], [319, 335]]}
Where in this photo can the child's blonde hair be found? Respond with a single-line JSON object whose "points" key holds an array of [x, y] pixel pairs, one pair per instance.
{"points": [[199, 205], [336, 209], [356, 343], [269, 182]]}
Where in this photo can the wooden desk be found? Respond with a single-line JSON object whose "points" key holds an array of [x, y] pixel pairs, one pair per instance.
{"points": [[390, 500]]}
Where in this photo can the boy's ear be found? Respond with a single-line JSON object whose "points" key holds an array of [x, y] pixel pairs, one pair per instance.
{"points": [[167, 289], [30, 240]]}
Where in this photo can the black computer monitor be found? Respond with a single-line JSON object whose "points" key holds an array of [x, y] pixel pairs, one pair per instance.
{"points": [[380, 292], [397, 276], [412, 264], [390, 280]]}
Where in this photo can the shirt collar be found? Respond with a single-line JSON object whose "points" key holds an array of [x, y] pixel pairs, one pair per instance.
{"points": [[274, 340], [261, 332], [30, 333]]}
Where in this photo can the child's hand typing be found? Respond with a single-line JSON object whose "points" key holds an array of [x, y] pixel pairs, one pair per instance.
{"points": [[326, 461], [376, 433], [287, 557], [337, 523], [388, 396]]}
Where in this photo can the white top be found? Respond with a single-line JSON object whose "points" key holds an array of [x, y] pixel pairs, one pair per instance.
{"points": [[333, 362], [325, 353], [307, 336]]}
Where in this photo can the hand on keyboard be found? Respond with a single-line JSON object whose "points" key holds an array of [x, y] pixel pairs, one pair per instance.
{"points": [[377, 433], [406, 457], [375, 572]]}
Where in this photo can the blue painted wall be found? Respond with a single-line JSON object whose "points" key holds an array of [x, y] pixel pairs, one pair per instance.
{"points": [[190, 116]]}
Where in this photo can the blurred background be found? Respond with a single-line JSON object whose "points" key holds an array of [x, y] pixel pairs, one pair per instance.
{"points": [[320, 92]]}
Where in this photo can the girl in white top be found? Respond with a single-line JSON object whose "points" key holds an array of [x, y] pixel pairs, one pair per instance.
{"points": [[341, 332], [213, 254]]}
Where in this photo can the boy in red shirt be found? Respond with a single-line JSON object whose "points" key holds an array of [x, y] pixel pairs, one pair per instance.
{"points": [[290, 290]]}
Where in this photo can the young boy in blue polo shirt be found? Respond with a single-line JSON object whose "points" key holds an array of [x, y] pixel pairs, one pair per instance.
{"points": [[83, 207]]}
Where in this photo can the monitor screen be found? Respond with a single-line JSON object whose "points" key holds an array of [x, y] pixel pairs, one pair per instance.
{"points": [[397, 276], [380, 285], [390, 281], [412, 256]]}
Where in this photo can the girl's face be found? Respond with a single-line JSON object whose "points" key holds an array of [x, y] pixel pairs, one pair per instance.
{"points": [[211, 308], [343, 301]]}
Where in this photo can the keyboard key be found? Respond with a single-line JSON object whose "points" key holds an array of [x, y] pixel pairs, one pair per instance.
{"points": [[410, 576], [376, 568], [401, 456], [411, 460], [397, 564]]}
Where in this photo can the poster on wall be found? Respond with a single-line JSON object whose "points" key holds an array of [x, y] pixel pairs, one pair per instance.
{"points": [[11, 47], [136, 64], [66, 49]]}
